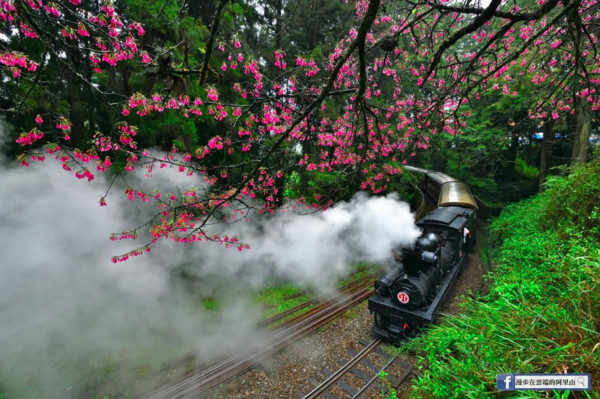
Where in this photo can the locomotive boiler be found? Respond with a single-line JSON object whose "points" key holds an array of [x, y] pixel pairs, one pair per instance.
{"points": [[410, 294]]}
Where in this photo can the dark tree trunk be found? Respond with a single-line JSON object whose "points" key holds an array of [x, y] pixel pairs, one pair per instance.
{"points": [[513, 152], [114, 84], [278, 27], [546, 152], [91, 103], [77, 110], [582, 132]]}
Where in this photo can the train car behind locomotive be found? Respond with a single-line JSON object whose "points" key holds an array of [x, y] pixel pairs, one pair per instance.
{"points": [[410, 294]]}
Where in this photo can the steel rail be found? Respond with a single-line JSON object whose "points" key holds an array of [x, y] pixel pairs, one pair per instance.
{"points": [[372, 380], [206, 379], [319, 303], [358, 285], [343, 370], [198, 381]]}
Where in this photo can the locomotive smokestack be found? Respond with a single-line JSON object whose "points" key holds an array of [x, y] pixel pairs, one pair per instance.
{"points": [[411, 259]]}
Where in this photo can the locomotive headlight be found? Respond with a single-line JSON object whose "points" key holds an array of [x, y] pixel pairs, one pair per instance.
{"points": [[403, 297]]}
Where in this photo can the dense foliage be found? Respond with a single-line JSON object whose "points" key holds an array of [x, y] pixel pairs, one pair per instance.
{"points": [[542, 310], [265, 105]]}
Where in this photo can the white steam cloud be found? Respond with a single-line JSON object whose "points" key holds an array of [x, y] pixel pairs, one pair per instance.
{"points": [[66, 311], [317, 249]]}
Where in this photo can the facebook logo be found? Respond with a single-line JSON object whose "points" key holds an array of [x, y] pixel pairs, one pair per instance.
{"points": [[544, 382], [505, 382]]}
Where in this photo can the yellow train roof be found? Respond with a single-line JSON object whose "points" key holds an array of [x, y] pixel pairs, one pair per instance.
{"points": [[456, 193]]}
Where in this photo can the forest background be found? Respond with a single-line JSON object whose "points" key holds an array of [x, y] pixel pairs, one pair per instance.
{"points": [[309, 100]]}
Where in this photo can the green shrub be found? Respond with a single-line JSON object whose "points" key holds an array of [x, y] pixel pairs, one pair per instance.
{"points": [[522, 168], [573, 205]]}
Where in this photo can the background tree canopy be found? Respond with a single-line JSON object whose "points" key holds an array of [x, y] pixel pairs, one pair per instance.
{"points": [[279, 100]]}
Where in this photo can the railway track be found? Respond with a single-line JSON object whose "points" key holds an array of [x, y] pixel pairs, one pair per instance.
{"points": [[363, 382], [315, 304], [203, 378], [277, 320]]}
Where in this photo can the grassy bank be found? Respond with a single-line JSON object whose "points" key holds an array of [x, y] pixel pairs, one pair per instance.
{"points": [[542, 312]]}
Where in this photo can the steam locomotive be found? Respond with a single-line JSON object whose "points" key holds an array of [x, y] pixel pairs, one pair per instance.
{"points": [[409, 295]]}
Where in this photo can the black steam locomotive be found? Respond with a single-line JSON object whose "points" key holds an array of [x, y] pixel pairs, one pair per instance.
{"points": [[410, 294]]}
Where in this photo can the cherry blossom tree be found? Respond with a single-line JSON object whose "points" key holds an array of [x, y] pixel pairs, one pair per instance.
{"points": [[402, 73]]}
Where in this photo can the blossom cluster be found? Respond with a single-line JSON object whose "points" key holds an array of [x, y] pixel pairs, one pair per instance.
{"points": [[356, 117], [114, 41]]}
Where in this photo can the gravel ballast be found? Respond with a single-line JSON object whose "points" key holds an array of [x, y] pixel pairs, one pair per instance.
{"points": [[290, 371]]}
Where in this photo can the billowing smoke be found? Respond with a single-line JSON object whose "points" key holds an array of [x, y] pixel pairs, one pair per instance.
{"points": [[66, 311], [69, 317], [317, 249]]}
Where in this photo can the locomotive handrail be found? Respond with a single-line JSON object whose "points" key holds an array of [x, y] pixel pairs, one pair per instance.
{"points": [[485, 211], [422, 206]]}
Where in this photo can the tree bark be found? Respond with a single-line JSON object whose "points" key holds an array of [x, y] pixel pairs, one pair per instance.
{"points": [[513, 152], [582, 132], [279, 17], [547, 141], [77, 110], [91, 102]]}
